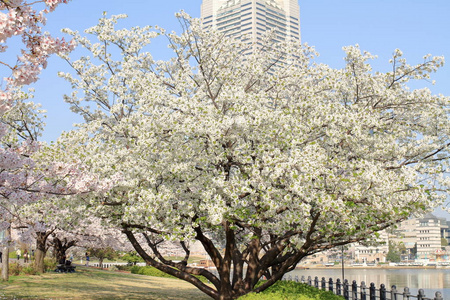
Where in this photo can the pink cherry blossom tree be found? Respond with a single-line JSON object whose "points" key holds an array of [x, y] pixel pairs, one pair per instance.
{"points": [[20, 121], [22, 18]]}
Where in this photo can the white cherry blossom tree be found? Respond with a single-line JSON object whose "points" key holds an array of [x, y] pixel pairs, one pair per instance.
{"points": [[263, 158]]}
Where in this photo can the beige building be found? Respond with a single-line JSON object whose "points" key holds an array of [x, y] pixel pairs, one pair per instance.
{"points": [[428, 237], [252, 18], [372, 253], [422, 237]]}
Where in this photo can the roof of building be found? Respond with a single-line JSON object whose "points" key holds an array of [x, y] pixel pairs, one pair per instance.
{"points": [[429, 216]]}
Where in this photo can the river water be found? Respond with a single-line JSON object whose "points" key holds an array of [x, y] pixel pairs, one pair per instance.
{"points": [[430, 280]]}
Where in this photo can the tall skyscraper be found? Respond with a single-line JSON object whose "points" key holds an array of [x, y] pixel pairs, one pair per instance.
{"points": [[252, 18]]}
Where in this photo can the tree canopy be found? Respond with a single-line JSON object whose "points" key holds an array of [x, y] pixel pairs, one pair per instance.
{"points": [[256, 152]]}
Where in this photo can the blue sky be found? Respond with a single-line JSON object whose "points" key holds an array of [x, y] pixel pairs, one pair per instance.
{"points": [[417, 27]]}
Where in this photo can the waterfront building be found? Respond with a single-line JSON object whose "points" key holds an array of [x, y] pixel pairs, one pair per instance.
{"points": [[375, 253], [406, 233], [430, 231], [251, 18], [424, 238]]}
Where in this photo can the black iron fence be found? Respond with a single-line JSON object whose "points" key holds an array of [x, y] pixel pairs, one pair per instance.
{"points": [[354, 291]]}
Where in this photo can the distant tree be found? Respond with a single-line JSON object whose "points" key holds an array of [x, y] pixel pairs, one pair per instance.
{"points": [[414, 250], [102, 254], [402, 248], [393, 254], [444, 242], [132, 258], [87, 233]]}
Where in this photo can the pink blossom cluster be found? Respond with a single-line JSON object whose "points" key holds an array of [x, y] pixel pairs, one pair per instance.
{"points": [[5, 103], [21, 181], [30, 65], [72, 178], [18, 18], [53, 3]]}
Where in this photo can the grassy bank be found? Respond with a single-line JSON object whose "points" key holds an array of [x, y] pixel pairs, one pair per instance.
{"points": [[90, 283], [290, 290]]}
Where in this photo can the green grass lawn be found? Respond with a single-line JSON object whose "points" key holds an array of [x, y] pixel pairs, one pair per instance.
{"points": [[90, 283]]}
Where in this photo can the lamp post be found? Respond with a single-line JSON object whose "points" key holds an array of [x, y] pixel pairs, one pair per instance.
{"points": [[342, 261]]}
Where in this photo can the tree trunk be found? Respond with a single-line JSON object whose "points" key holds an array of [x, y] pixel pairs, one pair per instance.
{"points": [[100, 262], [225, 295], [60, 247], [39, 255], [5, 257], [39, 261], [60, 253]]}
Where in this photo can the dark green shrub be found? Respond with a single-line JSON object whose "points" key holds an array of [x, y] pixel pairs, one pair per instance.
{"points": [[290, 290], [29, 270], [124, 268], [132, 258], [113, 268], [15, 269], [149, 271], [49, 264]]}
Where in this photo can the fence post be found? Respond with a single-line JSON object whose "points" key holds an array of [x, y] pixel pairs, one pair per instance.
{"points": [[406, 293], [393, 292], [382, 292], [346, 296], [330, 284], [421, 295], [338, 287], [372, 291], [438, 296], [324, 284], [296, 278], [302, 279], [309, 281], [354, 290], [316, 282], [363, 290]]}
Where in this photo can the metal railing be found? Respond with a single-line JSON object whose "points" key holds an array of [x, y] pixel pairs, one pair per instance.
{"points": [[354, 291]]}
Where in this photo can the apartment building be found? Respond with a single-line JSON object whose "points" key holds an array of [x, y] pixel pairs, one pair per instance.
{"points": [[423, 236], [249, 19], [429, 235]]}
